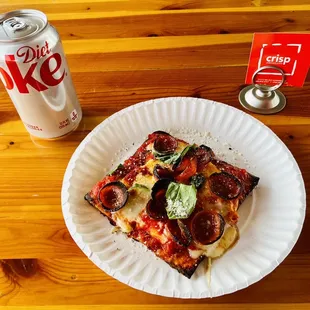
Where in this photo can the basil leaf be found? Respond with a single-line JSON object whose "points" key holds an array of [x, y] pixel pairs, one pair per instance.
{"points": [[113, 170], [174, 157], [188, 148], [181, 200], [167, 159], [140, 186], [198, 180]]}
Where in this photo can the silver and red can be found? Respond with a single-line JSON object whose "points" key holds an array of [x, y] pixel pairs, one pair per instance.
{"points": [[34, 70]]}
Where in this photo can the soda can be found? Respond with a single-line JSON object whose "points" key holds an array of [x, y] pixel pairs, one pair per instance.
{"points": [[35, 73]]}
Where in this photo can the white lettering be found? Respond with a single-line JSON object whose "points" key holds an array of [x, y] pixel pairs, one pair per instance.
{"points": [[278, 59]]}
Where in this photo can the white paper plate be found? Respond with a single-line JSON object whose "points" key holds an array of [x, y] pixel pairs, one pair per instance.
{"points": [[270, 221]]}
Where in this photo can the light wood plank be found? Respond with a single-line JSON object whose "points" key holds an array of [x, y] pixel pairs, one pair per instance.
{"points": [[146, 44], [77, 6], [119, 5], [104, 93], [76, 281], [249, 306], [125, 24]]}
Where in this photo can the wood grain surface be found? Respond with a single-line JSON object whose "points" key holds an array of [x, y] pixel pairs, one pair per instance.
{"points": [[121, 52]]}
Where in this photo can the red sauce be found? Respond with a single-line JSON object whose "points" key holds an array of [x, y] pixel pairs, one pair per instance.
{"points": [[156, 224], [103, 182], [154, 244], [133, 224], [120, 172], [144, 237], [131, 176], [171, 247], [145, 171], [140, 156]]}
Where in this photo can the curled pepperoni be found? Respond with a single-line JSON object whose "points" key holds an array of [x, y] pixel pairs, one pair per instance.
{"points": [[165, 144], [162, 172], [207, 227], [156, 209], [225, 185], [179, 232], [113, 196], [160, 184], [188, 172], [181, 165], [204, 155], [160, 132]]}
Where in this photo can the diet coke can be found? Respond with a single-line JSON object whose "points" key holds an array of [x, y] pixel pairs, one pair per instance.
{"points": [[34, 70]]}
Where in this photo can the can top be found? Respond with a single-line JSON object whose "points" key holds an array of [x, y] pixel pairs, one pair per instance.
{"points": [[21, 24]]}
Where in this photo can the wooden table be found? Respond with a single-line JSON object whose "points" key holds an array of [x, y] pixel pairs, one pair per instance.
{"points": [[121, 52]]}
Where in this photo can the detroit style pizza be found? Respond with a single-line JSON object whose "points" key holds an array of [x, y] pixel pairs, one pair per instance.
{"points": [[179, 200]]}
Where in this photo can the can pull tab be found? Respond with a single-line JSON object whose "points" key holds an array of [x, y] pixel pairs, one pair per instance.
{"points": [[16, 27]]}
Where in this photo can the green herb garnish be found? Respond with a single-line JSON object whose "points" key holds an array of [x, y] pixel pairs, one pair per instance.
{"points": [[181, 200], [197, 180], [113, 170], [141, 186], [174, 157]]}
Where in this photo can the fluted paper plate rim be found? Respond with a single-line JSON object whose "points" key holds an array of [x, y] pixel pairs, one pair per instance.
{"points": [[65, 194]]}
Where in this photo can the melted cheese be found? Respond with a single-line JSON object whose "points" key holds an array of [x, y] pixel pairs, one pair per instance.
{"points": [[137, 200], [146, 180], [181, 146], [160, 236], [210, 169]]}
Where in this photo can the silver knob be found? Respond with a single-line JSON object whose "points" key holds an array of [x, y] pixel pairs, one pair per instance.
{"points": [[263, 99]]}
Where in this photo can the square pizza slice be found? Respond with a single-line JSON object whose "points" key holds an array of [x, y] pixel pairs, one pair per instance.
{"points": [[179, 200]]}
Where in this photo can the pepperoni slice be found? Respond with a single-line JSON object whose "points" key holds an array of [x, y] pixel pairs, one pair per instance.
{"points": [[156, 209], [207, 227], [160, 184], [225, 185], [181, 236], [204, 155], [165, 144], [113, 196], [160, 132], [182, 165], [162, 172], [188, 172]]}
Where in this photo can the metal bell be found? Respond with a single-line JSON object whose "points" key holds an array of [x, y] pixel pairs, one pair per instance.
{"points": [[263, 99]]}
